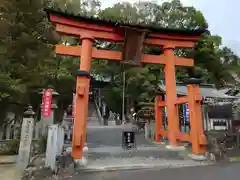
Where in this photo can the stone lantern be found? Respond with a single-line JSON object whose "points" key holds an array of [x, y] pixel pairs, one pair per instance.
{"points": [[46, 121], [55, 95]]}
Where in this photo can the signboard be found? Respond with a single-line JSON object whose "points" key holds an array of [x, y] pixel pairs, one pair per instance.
{"points": [[73, 106], [128, 140], [208, 100], [186, 113], [46, 103]]}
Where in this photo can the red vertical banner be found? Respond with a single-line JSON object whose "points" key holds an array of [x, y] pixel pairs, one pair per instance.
{"points": [[46, 102], [73, 106]]}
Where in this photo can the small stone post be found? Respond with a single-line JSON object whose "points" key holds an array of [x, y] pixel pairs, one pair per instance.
{"points": [[52, 146], [8, 131], [60, 140], [26, 139], [16, 132], [37, 129], [147, 129], [1, 132]]}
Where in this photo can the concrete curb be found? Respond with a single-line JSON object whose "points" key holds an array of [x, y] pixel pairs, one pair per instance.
{"points": [[7, 163], [137, 167], [198, 157], [8, 159], [176, 148]]}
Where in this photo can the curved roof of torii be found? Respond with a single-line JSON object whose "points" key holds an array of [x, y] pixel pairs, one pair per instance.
{"points": [[109, 21]]}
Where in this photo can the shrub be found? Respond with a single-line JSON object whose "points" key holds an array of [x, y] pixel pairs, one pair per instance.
{"points": [[42, 142], [12, 146]]}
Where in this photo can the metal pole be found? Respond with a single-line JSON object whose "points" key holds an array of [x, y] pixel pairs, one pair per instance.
{"points": [[123, 97]]}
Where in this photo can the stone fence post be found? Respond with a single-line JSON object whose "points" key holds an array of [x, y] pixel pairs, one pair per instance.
{"points": [[1, 133], [60, 140], [52, 146], [55, 143], [26, 139]]}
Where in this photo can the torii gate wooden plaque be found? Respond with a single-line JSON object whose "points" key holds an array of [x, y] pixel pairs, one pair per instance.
{"points": [[89, 29]]}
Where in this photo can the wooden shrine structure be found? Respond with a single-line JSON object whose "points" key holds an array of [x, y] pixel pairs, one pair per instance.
{"points": [[133, 39]]}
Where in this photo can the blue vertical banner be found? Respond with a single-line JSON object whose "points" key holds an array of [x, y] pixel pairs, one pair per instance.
{"points": [[165, 114], [73, 106], [186, 113], [165, 107], [186, 119]]}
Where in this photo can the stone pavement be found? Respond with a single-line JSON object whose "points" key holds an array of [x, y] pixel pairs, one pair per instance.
{"points": [[106, 153], [8, 159], [114, 164], [105, 150], [213, 172], [92, 115], [8, 170]]}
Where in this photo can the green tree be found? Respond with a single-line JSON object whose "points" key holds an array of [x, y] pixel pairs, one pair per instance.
{"points": [[28, 62], [214, 64], [25, 52]]}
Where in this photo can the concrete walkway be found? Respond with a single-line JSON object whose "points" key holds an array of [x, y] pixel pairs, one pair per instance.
{"points": [[105, 151], [8, 170], [8, 159]]}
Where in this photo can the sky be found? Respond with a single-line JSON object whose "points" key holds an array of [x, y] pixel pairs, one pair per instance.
{"points": [[221, 15]]}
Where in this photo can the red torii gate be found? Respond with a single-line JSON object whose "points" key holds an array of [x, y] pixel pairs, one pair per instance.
{"points": [[89, 29]]}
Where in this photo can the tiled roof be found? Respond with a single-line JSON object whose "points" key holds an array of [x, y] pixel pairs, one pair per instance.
{"points": [[205, 91], [109, 21]]}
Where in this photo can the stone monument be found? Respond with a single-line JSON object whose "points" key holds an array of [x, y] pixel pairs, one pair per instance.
{"points": [[26, 139]]}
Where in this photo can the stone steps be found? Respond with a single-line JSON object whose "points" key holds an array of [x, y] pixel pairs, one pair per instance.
{"points": [[139, 152]]}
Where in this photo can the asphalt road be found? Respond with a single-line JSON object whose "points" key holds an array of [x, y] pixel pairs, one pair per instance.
{"points": [[215, 172]]}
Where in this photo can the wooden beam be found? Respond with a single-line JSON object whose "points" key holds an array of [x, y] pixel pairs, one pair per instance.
{"points": [[113, 55], [162, 104], [185, 137], [182, 100], [180, 136], [162, 42], [118, 37], [179, 61], [96, 53], [75, 31], [174, 36], [163, 133]]}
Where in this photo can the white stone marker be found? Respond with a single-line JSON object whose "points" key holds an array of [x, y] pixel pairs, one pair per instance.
{"points": [[1, 134], [37, 130], [26, 139], [52, 146], [60, 140], [8, 131]]}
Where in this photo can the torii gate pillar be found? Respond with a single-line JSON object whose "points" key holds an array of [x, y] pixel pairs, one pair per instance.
{"points": [[82, 91], [171, 94]]}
